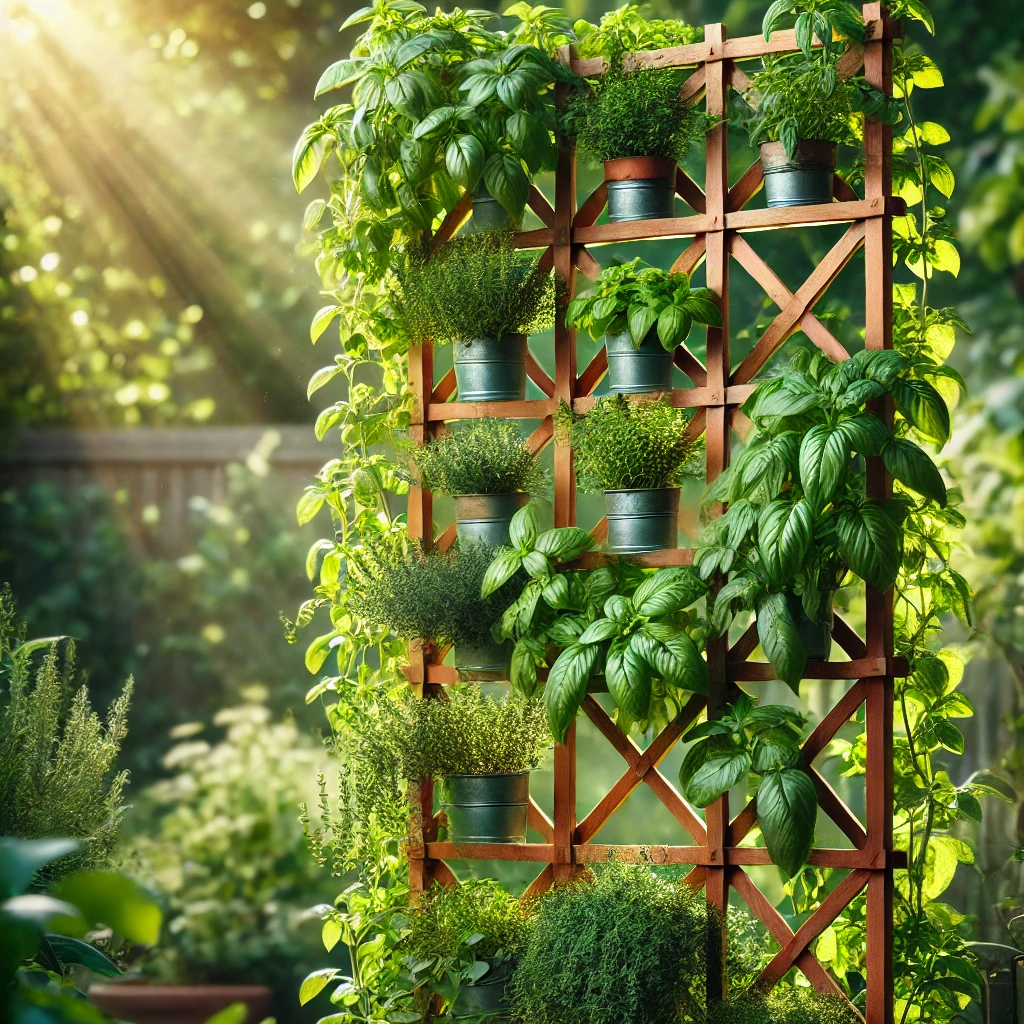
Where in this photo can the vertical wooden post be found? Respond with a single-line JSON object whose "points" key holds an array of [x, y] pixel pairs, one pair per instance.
{"points": [[716, 187], [880, 695]]}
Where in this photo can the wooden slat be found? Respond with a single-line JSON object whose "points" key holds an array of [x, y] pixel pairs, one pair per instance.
{"points": [[540, 206], [455, 219], [691, 257], [691, 366], [746, 188], [445, 387], [637, 230], [592, 207], [519, 409], [540, 884], [541, 823], [693, 87], [648, 560], [585, 263], [757, 671], [745, 646], [689, 191], [538, 852], [687, 398], [591, 376], [806, 216], [593, 853], [538, 375]]}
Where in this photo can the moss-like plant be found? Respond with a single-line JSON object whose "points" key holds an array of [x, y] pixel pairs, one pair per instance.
{"points": [[623, 947], [783, 1005], [475, 286], [470, 733], [487, 456], [621, 445], [430, 596], [635, 114]]}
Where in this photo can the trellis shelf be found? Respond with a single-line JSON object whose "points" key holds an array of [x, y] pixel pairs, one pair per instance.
{"points": [[716, 236]]}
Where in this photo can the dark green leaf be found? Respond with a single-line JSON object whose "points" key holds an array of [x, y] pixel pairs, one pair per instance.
{"points": [[69, 950], [787, 808], [673, 658], [909, 464], [784, 532], [523, 528], [667, 591], [504, 566], [823, 456], [869, 543], [464, 160], [564, 543], [629, 679], [717, 775], [507, 182], [923, 406], [567, 686], [780, 639], [602, 629]]}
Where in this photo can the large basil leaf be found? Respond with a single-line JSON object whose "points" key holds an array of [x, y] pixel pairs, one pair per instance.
{"points": [[923, 406], [674, 658], [523, 529], [775, 748], [767, 465], [780, 639], [507, 182], [505, 565], [667, 591], [464, 160], [787, 403], [556, 593], [567, 686], [787, 808], [739, 592], [410, 92], [869, 543], [784, 533], [523, 669], [883, 365], [417, 159], [602, 629], [722, 770], [822, 460], [865, 433], [673, 326], [640, 319], [629, 679], [564, 543], [909, 464]]}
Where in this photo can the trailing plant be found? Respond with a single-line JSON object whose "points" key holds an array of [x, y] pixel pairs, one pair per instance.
{"points": [[630, 626], [57, 755], [470, 733], [429, 596], [798, 520], [624, 445], [485, 456], [463, 934], [628, 30], [641, 113], [637, 297], [625, 946], [746, 739], [475, 286]]}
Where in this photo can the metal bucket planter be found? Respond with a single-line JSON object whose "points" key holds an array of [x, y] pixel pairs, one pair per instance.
{"points": [[485, 998], [636, 371], [806, 180], [489, 657], [491, 369], [486, 808], [485, 518], [642, 520], [489, 214], [640, 188], [816, 636]]}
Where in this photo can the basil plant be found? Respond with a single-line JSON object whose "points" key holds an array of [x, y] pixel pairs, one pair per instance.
{"points": [[621, 627], [639, 298], [799, 521]]}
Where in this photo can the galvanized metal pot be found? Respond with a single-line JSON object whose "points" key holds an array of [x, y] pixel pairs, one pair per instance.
{"points": [[640, 188], [806, 180], [490, 657], [485, 518], [486, 808], [816, 636], [489, 214], [642, 520], [485, 998], [635, 371], [491, 369]]}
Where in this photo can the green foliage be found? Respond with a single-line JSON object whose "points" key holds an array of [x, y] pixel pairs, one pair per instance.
{"points": [[637, 297], [626, 947], [783, 1005], [622, 444], [485, 456], [475, 286], [430, 596], [56, 754], [627, 30], [817, 20], [637, 114], [221, 840]]}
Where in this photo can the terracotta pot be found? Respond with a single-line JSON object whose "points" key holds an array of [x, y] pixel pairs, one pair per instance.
{"points": [[629, 168], [177, 1004], [640, 188]]}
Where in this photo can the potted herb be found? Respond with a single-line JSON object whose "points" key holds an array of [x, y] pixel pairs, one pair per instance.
{"points": [[434, 597], [480, 295], [801, 109], [483, 751], [629, 629], [637, 453], [784, 1004], [644, 314], [799, 521], [490, 471]]}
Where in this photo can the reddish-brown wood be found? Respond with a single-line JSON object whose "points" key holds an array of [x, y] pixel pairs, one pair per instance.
{"points": [[718, 849]]}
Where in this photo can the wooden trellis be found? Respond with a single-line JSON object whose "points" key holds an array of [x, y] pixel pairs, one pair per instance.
{"points": [[716, 231]]}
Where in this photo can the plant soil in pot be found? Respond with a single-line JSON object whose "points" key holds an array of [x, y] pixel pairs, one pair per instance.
{"points": [[642, 519], [640, 188], [816, 636], [803, 180], [486, 808], [142, 1003], [633, 369], [491, 369]]}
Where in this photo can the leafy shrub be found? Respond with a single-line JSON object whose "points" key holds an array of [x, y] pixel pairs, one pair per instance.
{"points": [[221, 839], [635, 114], [476, 286], [486, 456], [470, 734], [621, 444], [56, 754], [626, 30], [623, 947], [431, 596]]}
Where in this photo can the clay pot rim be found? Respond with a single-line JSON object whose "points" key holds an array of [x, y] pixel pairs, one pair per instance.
{"points": [[640, 168], [808, 151], [137, 986]]}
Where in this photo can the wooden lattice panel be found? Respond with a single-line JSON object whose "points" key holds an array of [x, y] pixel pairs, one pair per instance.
{"points": [[714, 235]]}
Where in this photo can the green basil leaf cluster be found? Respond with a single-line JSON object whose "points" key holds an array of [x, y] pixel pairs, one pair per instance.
{"points": [[627, 29], [764, 741], [639, 298], [798, 518]]}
